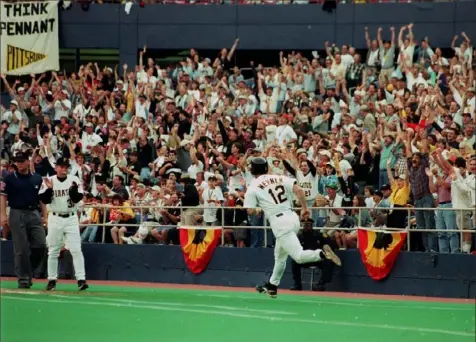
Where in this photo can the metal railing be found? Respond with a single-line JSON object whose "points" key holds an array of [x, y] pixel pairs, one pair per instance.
{"points": [[469, 227]]}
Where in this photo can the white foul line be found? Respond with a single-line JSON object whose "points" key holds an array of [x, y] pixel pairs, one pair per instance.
{"points": [[234, 314], [221, 307], [395, 305]]}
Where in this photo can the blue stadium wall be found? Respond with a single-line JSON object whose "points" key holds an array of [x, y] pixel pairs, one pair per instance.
{"points": [[423, 274], [296, 27]]}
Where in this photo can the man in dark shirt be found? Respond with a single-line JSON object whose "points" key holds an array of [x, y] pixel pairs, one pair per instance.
{"points": [[417, 164], [20, 190], [145, 153], [190, 216], [133, 167], [312, 240], [117, 188]]}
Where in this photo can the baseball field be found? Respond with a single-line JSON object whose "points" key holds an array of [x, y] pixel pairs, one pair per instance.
{"points": [[120, 312]]}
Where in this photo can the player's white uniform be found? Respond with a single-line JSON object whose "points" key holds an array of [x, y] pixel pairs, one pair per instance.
{"points": [[274, 195], [63, 226]]}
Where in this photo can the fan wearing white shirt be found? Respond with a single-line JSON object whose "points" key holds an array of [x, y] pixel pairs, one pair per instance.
{"points": [[346, 56], [142, 107], [148, 77], [462, 198], [89, 139], [284, 132], [270, 130], [62, 105], [407, 46], [182, 99], [13, 117], [196, 166], [465, 50], [211, 197], [268, 100], [80, 111]]}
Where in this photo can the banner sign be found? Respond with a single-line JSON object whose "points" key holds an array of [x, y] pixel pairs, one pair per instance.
{"points": [[29, 37], [198, 246], [379, 250]]}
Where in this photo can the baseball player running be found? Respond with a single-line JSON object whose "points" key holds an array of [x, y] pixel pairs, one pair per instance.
{"points": [[273, 194], [61, 193]]}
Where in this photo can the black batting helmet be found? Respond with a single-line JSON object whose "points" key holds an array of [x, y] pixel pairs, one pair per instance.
{"points": [[259, 166]]}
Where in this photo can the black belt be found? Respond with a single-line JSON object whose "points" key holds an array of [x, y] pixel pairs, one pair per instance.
{"points": [[31, 208], [64, 215], [443, 203]]}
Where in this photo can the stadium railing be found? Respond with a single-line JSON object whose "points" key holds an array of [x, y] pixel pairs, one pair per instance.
{"points": [[410, 213]]}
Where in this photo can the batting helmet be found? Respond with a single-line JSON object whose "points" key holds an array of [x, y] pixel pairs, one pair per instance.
{"points": [[259, 166]]}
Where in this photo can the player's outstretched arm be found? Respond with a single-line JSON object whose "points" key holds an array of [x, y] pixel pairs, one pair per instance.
{"points": [[301, 196]]}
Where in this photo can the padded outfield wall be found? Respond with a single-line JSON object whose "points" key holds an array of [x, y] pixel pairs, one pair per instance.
{"points": [[422, 274]]}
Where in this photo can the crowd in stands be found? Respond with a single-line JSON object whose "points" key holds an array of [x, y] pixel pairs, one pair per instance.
{"points": [[391, 129]]}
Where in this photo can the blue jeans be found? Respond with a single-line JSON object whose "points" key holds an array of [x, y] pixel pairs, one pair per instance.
{"points": [[144, 173], [314, 212], [447, 220], [425, 219], [89, 234], [382, 178], [257, 235]]}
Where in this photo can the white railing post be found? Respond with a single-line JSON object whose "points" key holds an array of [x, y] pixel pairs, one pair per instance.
{"points": [[408, 228], [461, 228], [223, 226], [265, 225], [141, 219], [104, 224]]}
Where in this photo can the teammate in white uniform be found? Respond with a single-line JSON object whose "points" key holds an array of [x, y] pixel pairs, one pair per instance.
{"points": [[274, 195], [62, 193]]}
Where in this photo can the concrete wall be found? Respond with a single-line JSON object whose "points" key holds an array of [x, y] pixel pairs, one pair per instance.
{"points": [[420, 274], [304, 27]]}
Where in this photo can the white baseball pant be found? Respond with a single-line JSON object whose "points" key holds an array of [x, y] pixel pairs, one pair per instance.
{"points": [[285, 227], [64, 229]]}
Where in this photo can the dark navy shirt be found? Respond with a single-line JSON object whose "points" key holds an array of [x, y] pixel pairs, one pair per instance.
{"points": [[22, 190]]}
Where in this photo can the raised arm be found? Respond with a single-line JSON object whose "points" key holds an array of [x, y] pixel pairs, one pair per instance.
{"points": [[233, 49], [468, 41], [367, 38], [401, 45], [410, 33], [389, 171], [408, 146], [379, 37], [453, 42]]}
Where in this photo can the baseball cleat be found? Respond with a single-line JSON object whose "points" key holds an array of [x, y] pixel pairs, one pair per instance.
{"points": [[330, 255], [268, 288], [51, 285], [82, 285]]}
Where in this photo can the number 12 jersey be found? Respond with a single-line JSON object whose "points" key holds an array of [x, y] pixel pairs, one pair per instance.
{"points": [[271, 193]]}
